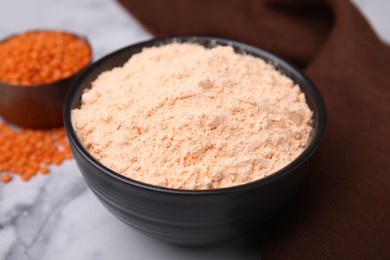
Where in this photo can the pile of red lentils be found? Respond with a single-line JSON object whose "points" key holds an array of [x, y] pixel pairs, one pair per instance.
{"points": [[27, 59], [37, 57], [26, 152]]}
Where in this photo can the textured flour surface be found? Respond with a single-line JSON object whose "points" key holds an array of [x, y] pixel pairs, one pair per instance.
{"points": [[186, 117]]}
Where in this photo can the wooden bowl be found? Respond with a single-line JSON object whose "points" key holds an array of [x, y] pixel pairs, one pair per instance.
{"points": [[36, 105]]}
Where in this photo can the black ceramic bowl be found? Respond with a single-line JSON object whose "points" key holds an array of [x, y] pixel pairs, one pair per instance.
{"points": [[36, 105], [193, 217]]}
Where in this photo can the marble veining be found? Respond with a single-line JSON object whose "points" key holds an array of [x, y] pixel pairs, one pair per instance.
{"points": [[56, 216]]}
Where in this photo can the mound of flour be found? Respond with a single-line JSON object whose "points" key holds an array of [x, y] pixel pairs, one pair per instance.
{"points": [[186, 117]]}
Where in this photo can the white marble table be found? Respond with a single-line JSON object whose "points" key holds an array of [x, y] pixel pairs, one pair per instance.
{"points": [[56, 216]]}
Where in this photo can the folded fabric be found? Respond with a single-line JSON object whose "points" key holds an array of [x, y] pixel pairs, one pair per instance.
{"points": [[343, 209]]}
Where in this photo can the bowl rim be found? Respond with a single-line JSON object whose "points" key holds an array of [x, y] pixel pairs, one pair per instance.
{"points": [[80, 37], [273, 59]]}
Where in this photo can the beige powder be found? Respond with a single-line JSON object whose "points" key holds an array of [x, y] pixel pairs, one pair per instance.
{"points": [[186, 117]]}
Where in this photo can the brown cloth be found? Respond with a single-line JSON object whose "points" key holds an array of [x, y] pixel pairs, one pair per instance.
{"points": [[343, 209]]}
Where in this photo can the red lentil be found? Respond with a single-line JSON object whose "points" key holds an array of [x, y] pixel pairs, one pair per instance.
{"points": [[41, 57], [6, 178]]}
